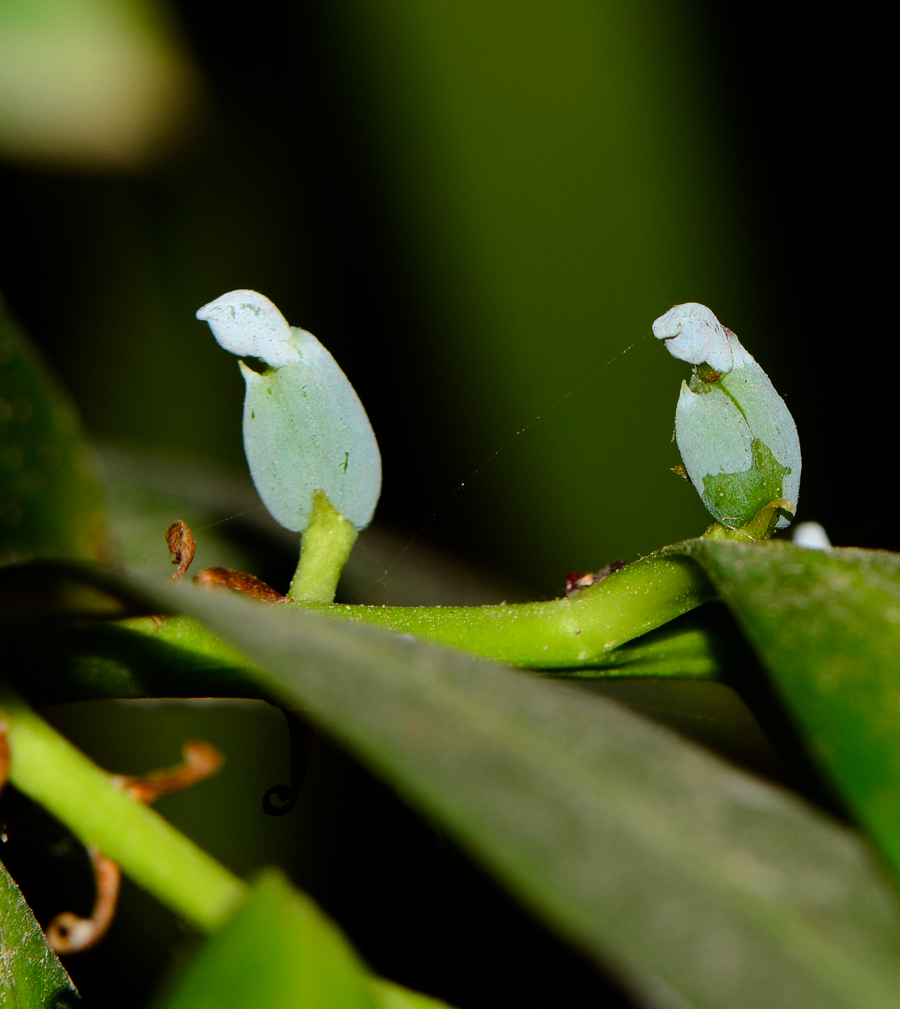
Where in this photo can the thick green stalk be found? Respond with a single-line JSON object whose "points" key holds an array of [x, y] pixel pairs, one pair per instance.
{"points": [[178, 657], [52, 772], [575, 632], [325, 546]]}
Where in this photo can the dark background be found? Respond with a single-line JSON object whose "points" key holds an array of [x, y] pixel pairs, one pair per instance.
{"points": [[423, 191]]}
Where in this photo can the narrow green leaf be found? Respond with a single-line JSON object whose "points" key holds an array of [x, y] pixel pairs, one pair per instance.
{"points": [[826, 624], [695, 881], [31, 977], [50, 503], [277, 952]]}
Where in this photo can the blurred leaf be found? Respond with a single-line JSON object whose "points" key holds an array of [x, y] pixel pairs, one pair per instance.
{"points": [[96, 83], [278, 952], [31, 976], [387, 995], [695, 881], [50, 503], [826, 624]]}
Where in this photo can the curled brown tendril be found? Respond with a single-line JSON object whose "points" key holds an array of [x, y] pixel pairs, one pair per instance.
{"points": [[68, 933]]}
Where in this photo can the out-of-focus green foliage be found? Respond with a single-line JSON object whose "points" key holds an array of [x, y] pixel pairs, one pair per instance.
{"points": [[280, 952], [90, 83], [392, 996], [826, 624], [50, 502], [277, 952], [31, 977]]}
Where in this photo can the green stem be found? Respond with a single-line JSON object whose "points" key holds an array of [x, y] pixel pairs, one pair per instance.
{"points": [[325, 546], [178, 657], [52, 772], [575, 632]]}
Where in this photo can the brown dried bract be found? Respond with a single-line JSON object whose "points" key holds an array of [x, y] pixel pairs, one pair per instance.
{"points": [[680, 471], [200, 761], [576, 581], [68, 933], [239, 581], [181, 545]]}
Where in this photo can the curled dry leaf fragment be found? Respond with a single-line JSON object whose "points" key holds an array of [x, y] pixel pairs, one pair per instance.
{"points": [[181, 545], [239, 581]]}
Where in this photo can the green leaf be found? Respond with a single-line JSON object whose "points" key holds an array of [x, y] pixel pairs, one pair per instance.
{"points": [[50, 503], [693, 880], [277, 952], [826, 624], [31, 976]]}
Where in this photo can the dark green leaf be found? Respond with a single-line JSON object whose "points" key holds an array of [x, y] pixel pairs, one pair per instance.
{"points": [[827, 627], [50, 503], [694, 880], [31, 977]]}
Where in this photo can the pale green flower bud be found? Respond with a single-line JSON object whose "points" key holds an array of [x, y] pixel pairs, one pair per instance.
{"points": [[305, 428], [736, 436]]}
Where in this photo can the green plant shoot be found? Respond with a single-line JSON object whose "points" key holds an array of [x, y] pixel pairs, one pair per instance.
{"points": [[737, 438]]}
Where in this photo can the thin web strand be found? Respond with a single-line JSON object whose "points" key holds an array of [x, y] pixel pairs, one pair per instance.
{"points": [[487, 462]]}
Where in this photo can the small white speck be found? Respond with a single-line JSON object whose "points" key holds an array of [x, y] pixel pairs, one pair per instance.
{"points": [[811, 536]]}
